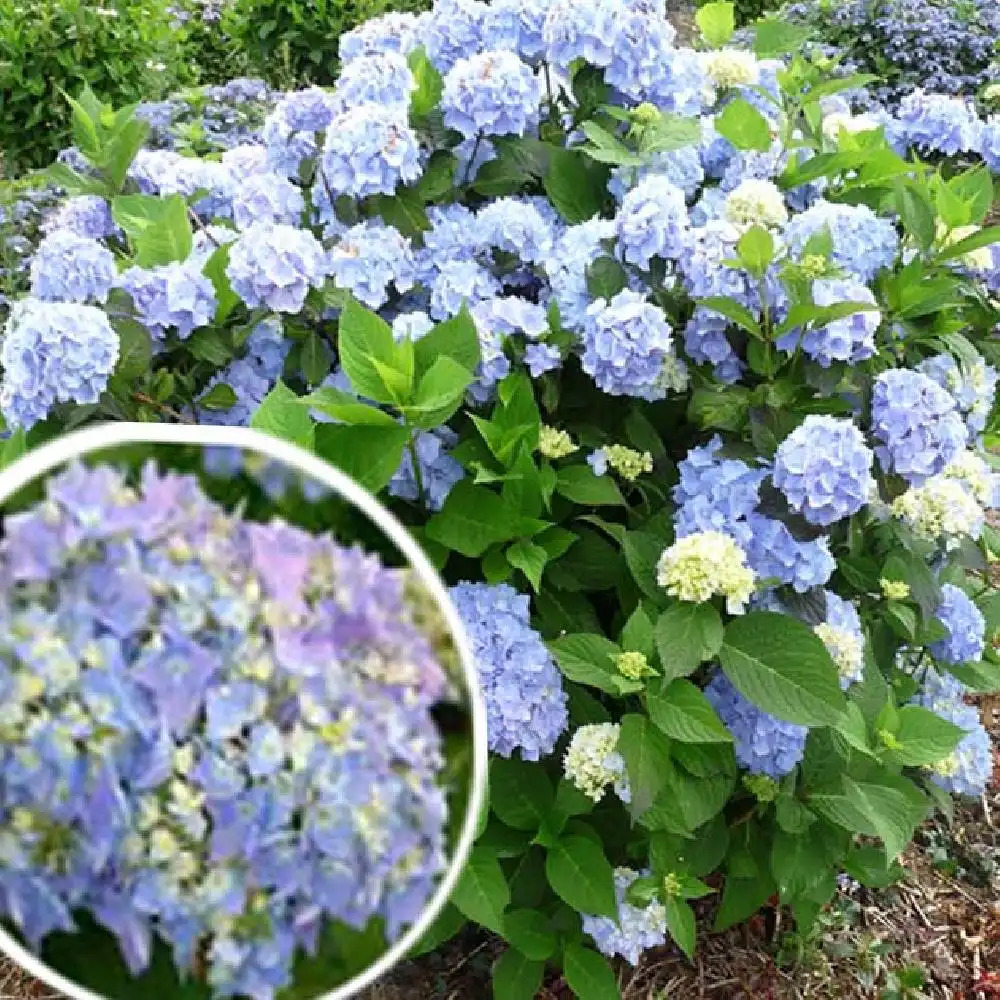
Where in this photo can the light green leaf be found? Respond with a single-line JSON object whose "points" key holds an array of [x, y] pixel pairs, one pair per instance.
{"points": [[779, 664], [681, 924], [344, 407], [530, 559], [368, 453], [439, 394], [579, 484], [686, 635], [455, 338], [589, 659], [158, 227], [744, 126], [282, 414], [366, 345], [716, 22], [923, 738], [685, 714]]}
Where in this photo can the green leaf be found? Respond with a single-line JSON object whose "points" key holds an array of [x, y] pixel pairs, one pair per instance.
{"points": [[215, 270], [923, 738], [482, 893], [455, 338], [135, 348], [638, 634], [581, 876], [589, 975], [756, 250], [742, 898], [716, 22], [13, 448], [734, 311], [681, 924], [426, 94], [579, 484], [516, 976], [589, 659], [530, 559], [576, 185], [365, 343], [686, 635], [529, 932], [983, 238], [520, 793], [219, 397], [439, 394], [473, 518], [158, 227], [916, 212], [403, 210], [779, 664], [894, 810], [685, 714], [744, 126], [647, 758], [642, 551], [344, 407], [314, 358], [773, 37], [282, 414], [368, 453], [605, 277]]}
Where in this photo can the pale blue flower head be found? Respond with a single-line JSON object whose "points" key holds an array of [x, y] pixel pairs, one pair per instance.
{"points": [[651, 221], [174, 296], [491, 93], [966, 627], [275, 266], [71, 268]]}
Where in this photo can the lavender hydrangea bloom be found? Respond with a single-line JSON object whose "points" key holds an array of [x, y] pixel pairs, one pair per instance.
{"points": [[85, 215], [275, 266], [936, 123], [71, 268], [290, 131], [452, 31], [587, 31], [438, 470], [966, 627], [917, 424], [651, 221], [705, 342], [574, 251], [824, 469], [53, 352], [174, 296], [493, 93], [516, 226], [369, 149], [681, 167], [267, 197], [973, 387], [635, 930], [628, 346], [525, 702], [370, 257], [157, 630], [862, 242], [850, 338], [643, 46], [763, 744], [391, 32], [383, 79]]}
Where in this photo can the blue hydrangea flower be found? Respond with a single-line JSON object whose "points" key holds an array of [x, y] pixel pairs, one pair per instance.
{"points": [[643, 44], [700, 258], [369, 149], [368, 258], [71, 268], [628, 347], [966, 627], [824, 469], [86, 215], [989, 143], [390, 32], [251, 377], [438, 470], [525, 703], [492, 93], [290, 130], [721, 494], [763, 744], [935, 123], [516, 226], [681, 167], [541, 358], [844, 638], [516, 25], [53, 352], [275, 266], [917, 424], [587, 31], [174, 296], [575, 250], [850, 338], [973, 388], [863, 243], [458, 283], [209, 781], [636, 929], [651, 221], [452, 31], [383, 79], [267, 197], [705, 342]]}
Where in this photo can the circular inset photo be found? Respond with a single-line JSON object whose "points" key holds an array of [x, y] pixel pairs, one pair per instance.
{"points": [[242, 751]]}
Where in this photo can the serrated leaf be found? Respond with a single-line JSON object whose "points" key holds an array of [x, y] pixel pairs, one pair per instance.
{"points": [[923, 738], [646, 752], [589, 659], [744, 126], [682, 712], [365, 344], [482, 893], [369, 454], [780, 665], [588, 974], [520, 793], [581, 876], [686, 635], [282, 414]]}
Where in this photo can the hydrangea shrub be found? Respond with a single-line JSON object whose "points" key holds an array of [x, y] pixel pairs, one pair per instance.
{"points": [[680, 373]]}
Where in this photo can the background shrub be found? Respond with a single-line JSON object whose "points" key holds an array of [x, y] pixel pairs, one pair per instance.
{"points": [[125, 49], [294, 41], [749, 10]]}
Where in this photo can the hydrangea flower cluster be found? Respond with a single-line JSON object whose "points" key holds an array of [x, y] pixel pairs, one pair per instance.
{"points": [[525, 702], [170, 297], [275, 266], [763, 744], [942, 510], [592, 761], [843, 637], [178, 758], [824, 469], [966, 627], [71, 268], [699, 566], [636, 928]]}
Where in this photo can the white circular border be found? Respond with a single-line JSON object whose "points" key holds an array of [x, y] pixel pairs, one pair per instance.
{"points": [[46, 457]]}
